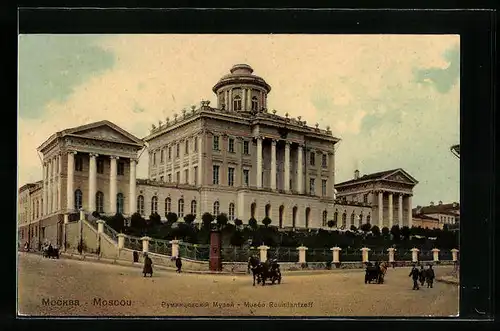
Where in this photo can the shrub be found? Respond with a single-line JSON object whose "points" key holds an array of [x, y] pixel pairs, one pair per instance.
{"points": [[385, 231], [172, 217], [137, 221], [189, 219], [155, 219], [266, 221], [222, 220], [353, 228], [366, 227], [238, 222], [376, 230], [253, 223], [207, 220], [331, 223]]}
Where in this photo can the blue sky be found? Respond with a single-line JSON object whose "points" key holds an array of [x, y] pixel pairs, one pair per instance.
{"points": [[393, 100]]}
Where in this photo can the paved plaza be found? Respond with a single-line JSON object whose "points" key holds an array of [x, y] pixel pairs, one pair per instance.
{"points": [[79, 288]]}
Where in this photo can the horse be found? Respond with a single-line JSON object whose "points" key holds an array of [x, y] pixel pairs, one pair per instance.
{"points": [[383, 269], [256, 267], [375, 273]]}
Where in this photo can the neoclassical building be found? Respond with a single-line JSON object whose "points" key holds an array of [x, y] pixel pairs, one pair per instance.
{"points": [[237, 158]]}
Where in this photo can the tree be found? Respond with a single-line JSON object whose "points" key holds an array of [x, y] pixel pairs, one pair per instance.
{"points": [[222, 220], [137, 221], [385, 231], [172, 217], [405, 232], [155, 219], [189, 219], [445, 227], [376, 230], [238, 222], [353, 228], [253, 223], [207, 220], [396, 232], [331, 223], [237, 239], [117, 222], [266, 221], [366, 227]]}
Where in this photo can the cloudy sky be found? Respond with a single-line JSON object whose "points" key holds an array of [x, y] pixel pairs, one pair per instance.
{"points": [[393, 100]]}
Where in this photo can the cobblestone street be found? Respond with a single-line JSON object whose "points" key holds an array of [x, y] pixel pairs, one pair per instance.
{"points": [[80, 288]]}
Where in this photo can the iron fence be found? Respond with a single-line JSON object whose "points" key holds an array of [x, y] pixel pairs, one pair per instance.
{"points": [[319, 255], [133, 243], [283, 254], [110, 232], [194, 251], [235, 254], [159, 246]]}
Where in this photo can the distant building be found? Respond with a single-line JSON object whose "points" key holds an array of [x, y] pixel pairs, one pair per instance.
{"points": [[379, 190], [424, 221], [448, 213]]}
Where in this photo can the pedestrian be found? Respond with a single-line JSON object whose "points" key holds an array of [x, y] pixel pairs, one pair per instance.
{"points": [[421, 275], [430, 276], [148, 266], [414, 275], [178, 263]]}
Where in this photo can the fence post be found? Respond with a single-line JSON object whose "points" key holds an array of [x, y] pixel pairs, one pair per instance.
{"points": [[336, 250], [302, 254], [145, 244], [454, 254], [435, 255], [175, 248], [414, 254], [391, 251], [263, 252], [121, 240], [100, 226], [364, 254]]}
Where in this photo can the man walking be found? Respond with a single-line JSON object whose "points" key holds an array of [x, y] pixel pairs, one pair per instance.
{"points": [[414, 273], [430, 276], [421, 275], [178, 263]]}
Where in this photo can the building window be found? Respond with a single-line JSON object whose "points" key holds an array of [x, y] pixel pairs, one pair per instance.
{"points": [[215, 143], [37, 209], [215, 176], [178, 177], [311, 186], [323, 161], [78, 200], [140, 204], [325, 218], [246, 177], [312, 158], [365, 198], [186, 176], [161, 178], [119, 203], [170, 152], [154, 205], [344, 219], [353, 217], [216, 208], [335, 218], [168, 206], [231, 211], [177, 150], [368, 218], [255, 104], [246, 148], [231, 145], [186, 147], [100, 166], [193, 208], [162, 156], [195, 144], [180, 208], [120, 169], [169, 178], [230, 177], [323, 187], [361, 219], [99, 202], [154, 158], [237, 103], [78, 163]]}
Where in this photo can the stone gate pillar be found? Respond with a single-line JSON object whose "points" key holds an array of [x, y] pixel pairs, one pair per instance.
{"points": [[364, 254], [391, 251], [454, 254], [263, 252], [100, 226], [145, 244], [414, 254], [175, 248], [121, 240], [336, 250], [302, 254], [435, 255]]}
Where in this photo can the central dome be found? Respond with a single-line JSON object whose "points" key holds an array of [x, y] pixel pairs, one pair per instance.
{"points": [[241, 69]]}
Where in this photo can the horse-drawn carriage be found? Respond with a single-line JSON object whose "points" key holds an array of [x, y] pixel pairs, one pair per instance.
{"points": [[50, 252], [375, 273], [269, 270]]}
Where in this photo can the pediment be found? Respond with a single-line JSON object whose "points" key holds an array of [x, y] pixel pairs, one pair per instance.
{"points": [[401, 176], [106, 131]]}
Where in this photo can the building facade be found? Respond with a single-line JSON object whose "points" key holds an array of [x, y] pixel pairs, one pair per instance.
{"points": [[388, 192], [444, 213]]}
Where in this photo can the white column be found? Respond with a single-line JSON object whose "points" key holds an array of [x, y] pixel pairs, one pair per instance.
{"points": [[226, 99], [54, 184], [132, 199], [201, 147], [174, 151], [244, 100], [390, 211], [249, 99], [300, 179], [59, 182], [165, 167], [331, 178], [410, 216], [191, 173], [49, 187], [70, 194], [261, 100], [286, 168], [112, 185], [380, 209], [259, 162], [400, 209], [92, 181], [44, 193], [181, 160], [230, 99], [273, 164]]}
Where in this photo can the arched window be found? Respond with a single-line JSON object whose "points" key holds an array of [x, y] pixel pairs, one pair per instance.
{"points": [[231, 211], [119, 203], [335, 218], [180, 208], [368, 219], [154, 205], [99, 202], [281, 211], [140, 204], [308, 216], [216, 208], [294, 216], [78, 199], [268, 210], [352, 218], [325, 217], [360, 219], [37, 208], [344, 219], [168, 206], [193, 207], [253, 208], [255, 103], [237, 103]]}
